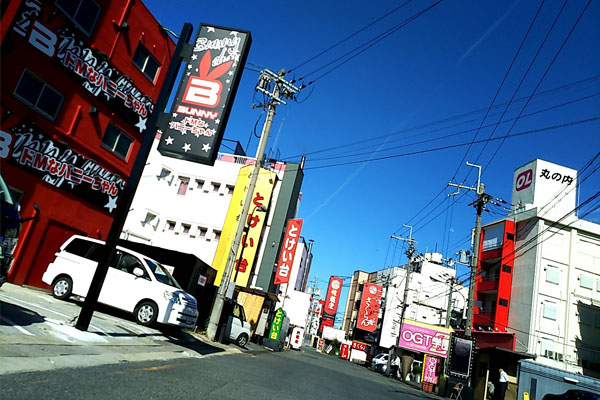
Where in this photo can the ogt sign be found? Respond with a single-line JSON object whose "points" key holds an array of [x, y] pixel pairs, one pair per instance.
{"points": [[425, 338]]}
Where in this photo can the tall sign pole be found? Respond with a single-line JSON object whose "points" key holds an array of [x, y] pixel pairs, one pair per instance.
{"points": [[282, 89], [91, 300]]}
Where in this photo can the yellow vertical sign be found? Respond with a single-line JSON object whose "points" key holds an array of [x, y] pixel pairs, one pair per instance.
{"points": [[254, 224]]}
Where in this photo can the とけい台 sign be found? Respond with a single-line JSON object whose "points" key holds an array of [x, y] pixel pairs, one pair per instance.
{"points": [[277, 323], [205, 95], [369, 307], [333, 296], [425, 338], [288, 250]]}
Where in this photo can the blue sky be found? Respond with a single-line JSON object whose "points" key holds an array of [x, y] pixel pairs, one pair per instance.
{"points": [[430, 79]]}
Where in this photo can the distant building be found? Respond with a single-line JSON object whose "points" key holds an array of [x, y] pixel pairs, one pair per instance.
{"points": [[539, 272], [79, 82]]}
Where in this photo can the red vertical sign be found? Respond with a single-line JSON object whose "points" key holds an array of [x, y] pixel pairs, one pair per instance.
{"points": [[344, 351], [333, 296], [369, 307], [288, 250]]}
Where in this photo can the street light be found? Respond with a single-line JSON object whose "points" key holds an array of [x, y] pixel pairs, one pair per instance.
{"points": [[260, 208]]}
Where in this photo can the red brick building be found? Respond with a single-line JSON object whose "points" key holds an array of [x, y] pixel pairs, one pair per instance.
{"points": [[79, 81]]}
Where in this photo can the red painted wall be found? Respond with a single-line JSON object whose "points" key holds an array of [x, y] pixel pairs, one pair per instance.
{"points": [[75, 130]]}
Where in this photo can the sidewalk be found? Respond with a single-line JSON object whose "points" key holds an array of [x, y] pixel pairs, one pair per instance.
{"points": [[36, 334]]}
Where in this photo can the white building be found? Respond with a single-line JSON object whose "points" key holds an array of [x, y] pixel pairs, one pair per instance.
{"points": [[555, 297], [428, 295]]}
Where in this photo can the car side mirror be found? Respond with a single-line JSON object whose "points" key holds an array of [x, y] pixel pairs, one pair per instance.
{"points": [[137, 271]]}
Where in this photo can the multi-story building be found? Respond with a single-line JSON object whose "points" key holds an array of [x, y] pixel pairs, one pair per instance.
{"points": [[79, 82], [539, 272]]}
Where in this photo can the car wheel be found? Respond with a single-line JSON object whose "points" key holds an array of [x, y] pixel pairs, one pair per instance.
{"points": [[242, 340], [62, 288], [146, 313]]}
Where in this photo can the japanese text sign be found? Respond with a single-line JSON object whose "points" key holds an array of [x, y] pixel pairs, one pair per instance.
{"points": [[369, 307], [276, 325], [205, 96], [288, 250], [424, 338], [359, 346], [333, 296], [430, 370], [344, 351]]}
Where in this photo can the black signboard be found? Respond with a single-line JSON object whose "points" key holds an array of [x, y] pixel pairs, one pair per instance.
{"points": [[461, 355], [59, 165], [205, 95]]}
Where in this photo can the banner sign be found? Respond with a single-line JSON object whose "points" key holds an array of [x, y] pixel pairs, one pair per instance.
{"points": [[58, 39], [430, 369], [344, 351], [275, 332], [59, 165], [205, 95], [333, 296], [359, 346], [369, 307], [288, 250], [424, 338], [254, 225]]}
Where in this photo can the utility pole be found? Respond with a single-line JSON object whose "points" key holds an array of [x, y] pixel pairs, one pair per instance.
{"points": [[479, 204], [409, 254], [449, 306], [281, 89]]}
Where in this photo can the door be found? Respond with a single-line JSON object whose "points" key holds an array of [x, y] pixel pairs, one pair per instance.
{"points": [[122, 289], [237, 322], [54, 236]]}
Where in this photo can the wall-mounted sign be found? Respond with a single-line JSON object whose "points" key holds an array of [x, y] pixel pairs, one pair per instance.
{"points": [[430, 373], [344, 351], [333, 296], [59, 165], [205, 95], [369, 307], [359, 346], [275, 332], [460, 362], [57, 38], [424, 338], [287, 252], [202, 280]]}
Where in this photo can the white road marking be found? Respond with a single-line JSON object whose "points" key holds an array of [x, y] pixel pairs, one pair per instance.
{"points": [[20, 329]]}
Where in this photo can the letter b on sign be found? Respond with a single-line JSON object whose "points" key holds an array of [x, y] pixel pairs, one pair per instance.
{"points": [[202, 92], [524, 180]]}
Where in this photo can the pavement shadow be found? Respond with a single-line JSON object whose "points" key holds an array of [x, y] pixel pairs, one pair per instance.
{"points": [[17, 315], [190, 342]]}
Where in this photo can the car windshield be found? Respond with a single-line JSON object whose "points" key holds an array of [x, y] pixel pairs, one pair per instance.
{"points": [[161, 274]]}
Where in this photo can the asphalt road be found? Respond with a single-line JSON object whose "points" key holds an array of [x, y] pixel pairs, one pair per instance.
{"points": [[302, 374]]}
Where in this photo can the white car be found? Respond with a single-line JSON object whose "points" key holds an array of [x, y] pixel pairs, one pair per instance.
{"points": [[134, 283], [379, 363], [237, 329]]}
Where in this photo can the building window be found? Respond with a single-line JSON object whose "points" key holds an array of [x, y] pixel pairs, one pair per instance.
{"points": [[117, 141], [146, 62], [553, 275], [199, 183], [586, 281], [151, 220], [550, 311], [183, 185], [506, 268], [216, 187], [164, 174], [185, 229], [171, 225], [38, 95], [202, 231], [216, 235], [230, 189], [83, 13], [503, 302]]}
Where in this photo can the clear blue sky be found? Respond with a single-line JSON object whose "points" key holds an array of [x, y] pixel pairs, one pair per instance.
{"points": [[423, 82]]}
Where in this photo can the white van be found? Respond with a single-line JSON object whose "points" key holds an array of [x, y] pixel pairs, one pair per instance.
{"points": [[237, 328], [134, 283]]}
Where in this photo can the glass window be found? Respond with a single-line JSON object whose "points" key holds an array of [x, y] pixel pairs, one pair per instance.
{"points": [[216, 187], [216, 235], [183, 185], [34, 92], [117, 141], [171, 225], [146, 62], [79, 247], [230, 189], [83, 13], [553, 275], [199, 183], [161, 274], [185, 229], [550, 311], [586, 281], [164, 173], [202, 232]]}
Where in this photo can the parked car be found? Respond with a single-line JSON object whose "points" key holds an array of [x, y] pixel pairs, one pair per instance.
{"points": [[379, 363], [237, 329], [134, 283], [573, 394]]}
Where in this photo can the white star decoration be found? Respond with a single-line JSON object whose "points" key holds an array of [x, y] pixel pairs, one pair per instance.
{"points": [[210, 29], [112, 203], [189, 66], [187, 147], [169, 140], [175, 115], [228, 81], [141, 125], [206, 147], [217, 121], [194, 56], [230, 73]]}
